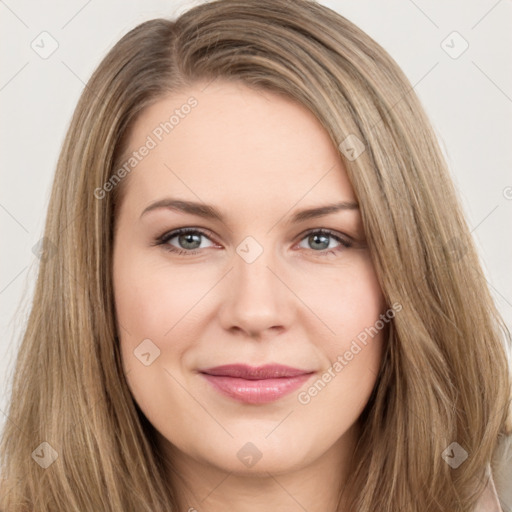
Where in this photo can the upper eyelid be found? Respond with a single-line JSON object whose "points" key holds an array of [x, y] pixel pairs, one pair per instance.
{"points": [[176, 232]]}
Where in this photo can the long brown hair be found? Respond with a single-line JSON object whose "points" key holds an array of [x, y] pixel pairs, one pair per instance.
{"points": [[444, 377]]}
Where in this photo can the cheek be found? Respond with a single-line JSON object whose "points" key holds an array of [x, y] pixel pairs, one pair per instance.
{"points": [[153, 308], [352, 308], [348, 302], [151, 298]]}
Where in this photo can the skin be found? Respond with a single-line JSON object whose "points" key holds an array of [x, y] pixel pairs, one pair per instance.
{"points": [[257, 157]]}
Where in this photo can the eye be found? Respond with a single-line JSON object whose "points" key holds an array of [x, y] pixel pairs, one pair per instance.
{"points": [[189, 241], [189, 238], [319, 239]]}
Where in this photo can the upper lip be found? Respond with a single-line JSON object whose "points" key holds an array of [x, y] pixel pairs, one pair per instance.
{"points": [[244, 371]]}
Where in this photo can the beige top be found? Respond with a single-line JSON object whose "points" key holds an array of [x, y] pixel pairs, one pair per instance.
{"points": [[497, 495], [489, 501]]}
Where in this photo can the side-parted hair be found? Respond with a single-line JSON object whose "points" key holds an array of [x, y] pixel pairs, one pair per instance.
{"points": [[444, 376]]}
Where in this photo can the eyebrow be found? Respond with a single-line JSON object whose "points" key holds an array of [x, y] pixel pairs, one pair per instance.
{"points": [[210, 212]]}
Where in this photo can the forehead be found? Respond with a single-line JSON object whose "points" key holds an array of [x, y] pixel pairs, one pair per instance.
{"points": [[226, 143]]}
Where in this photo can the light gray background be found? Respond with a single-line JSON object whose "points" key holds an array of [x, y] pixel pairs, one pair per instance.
{"points": [[468, 99]]}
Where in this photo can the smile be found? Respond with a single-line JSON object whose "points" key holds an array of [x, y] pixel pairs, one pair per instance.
{"points": [[255, 385]]}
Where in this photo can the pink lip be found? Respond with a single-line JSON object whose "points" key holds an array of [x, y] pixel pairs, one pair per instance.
{"points": [[255, 385]]}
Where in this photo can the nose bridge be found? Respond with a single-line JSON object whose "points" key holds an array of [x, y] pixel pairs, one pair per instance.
{"points": [[257, 299], [253, 265]]}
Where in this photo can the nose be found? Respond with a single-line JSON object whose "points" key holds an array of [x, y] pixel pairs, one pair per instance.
{"points": [[258, 299]]}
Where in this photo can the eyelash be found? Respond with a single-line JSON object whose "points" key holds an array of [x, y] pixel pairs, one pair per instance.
{"points": [[163, 239]]}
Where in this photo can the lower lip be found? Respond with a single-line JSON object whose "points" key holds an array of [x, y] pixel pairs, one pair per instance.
{"points": [[256, 391]]}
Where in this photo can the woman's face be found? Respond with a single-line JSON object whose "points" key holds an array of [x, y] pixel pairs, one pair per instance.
{"points": [[252, 284]]}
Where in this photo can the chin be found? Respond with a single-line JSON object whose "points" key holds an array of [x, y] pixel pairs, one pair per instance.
{"points": [[261, 456]]}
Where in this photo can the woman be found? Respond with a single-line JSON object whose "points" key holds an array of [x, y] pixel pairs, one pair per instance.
{"points": [[256, 370]]}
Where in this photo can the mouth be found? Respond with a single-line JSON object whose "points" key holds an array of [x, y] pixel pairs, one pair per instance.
{"points": [[255, 385]]}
